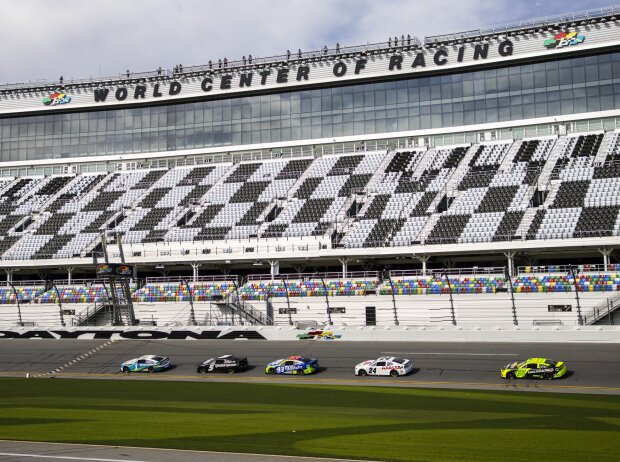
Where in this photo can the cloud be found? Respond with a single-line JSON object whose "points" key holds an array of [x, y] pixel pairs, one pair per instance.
{"points": [[81, 38]]}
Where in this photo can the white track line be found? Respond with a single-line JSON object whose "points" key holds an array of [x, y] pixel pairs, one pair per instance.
{"points": [[451, 354], [42, 456], [76, 360]]}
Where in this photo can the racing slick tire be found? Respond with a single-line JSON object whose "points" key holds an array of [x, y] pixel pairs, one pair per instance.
{"points": [[201, 370], [394, 373], [362, 373], [271, 371], [125, 369], [151, 370], [510, 375], [548, 376], [300, 372]]}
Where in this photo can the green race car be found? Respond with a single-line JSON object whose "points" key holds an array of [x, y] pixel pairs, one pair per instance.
{"points": [[534, 368]]}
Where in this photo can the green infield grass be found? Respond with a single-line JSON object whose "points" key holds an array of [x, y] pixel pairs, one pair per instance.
{"points": [[314, 420]]}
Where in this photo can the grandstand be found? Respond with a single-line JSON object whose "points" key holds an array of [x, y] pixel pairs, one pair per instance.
{"points": [[481, 189]]}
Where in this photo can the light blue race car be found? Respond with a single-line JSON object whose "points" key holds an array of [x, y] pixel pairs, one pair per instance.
{"points": [[296, 365], [146, 363]]}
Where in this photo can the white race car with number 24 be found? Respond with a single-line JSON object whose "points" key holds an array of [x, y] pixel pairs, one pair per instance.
{"points": [[391, 366]]}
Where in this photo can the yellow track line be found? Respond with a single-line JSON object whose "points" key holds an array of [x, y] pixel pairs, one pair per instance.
{"points": [[311, 380]]}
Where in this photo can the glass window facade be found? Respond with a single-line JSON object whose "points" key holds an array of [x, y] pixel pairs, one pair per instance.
{"points": [[525, 91]]}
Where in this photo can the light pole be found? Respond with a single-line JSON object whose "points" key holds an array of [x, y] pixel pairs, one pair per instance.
{"points": [[288, 301], [387, 274], [19, 308], [512, 297], [573, 270], [329, 314], [192, 314], [49, 285], [445, 274]]}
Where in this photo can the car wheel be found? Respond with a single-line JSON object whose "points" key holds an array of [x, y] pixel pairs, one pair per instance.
{"points": [[271, 371], [394, 373], [510, 375], [125, 369], [300, 372], [201, 370], [231, 371], [151, 370], [549, 376], [362, 373]]}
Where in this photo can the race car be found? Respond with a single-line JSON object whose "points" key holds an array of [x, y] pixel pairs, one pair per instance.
{"points": [[225, 363], [146, 363], [296, 365], [534, 368], [387, 365]]}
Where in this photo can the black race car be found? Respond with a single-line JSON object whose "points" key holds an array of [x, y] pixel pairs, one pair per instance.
{"points": [[225, 363]]}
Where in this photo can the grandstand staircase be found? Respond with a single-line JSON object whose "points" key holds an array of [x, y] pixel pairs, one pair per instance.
{"points": [[432, 207], [423, 163], [428, 227], [33, 191], [526, 222], [95, 314], [506, 164], [462, 169], [554, 186], [96, 189], [603, 310], [558, 150], [293, 189], [57, 194], [247, 313], [8, 185], [376, 178], [605, 147]]}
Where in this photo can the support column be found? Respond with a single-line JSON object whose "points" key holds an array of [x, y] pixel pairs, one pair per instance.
{"points": [[69, 274], [274, 268], [510, 256], [606, 252], [345, 268], [195, 267], [9, 274], [423, 258]]}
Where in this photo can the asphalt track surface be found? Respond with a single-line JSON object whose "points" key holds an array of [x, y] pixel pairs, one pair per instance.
{"points": [[46, 452], [593, 368]]}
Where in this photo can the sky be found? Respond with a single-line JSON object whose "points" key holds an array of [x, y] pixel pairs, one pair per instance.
{"points": [[44, 39]]}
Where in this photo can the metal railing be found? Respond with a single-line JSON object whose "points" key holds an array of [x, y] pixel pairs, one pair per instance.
{"points": [[563, 269], [247, 310], [82, 319], [605, 308], [474, 271], [364, 275], [567, 18], [179, 279], [222, 66], [486, 239]]}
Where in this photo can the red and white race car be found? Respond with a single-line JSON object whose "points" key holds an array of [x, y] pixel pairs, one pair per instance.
{"points": [[391, 366]]}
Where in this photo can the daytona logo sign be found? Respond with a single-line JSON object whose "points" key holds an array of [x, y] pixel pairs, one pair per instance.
{"points": [[132, 335]]}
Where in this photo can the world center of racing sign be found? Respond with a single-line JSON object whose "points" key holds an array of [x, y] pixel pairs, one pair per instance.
{"points": [[320, 71], [227, 81]]}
